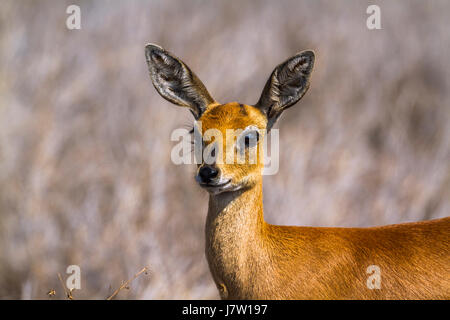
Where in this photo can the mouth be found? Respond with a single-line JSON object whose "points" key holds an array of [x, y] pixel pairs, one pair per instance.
{"points": [[216, 187]]}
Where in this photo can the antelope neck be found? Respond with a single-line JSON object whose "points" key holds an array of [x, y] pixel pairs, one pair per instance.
{"points": [[235, 246], [239, 213]]}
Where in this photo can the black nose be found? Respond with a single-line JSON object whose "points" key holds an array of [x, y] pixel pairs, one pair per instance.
{"points": [[207, 174]]}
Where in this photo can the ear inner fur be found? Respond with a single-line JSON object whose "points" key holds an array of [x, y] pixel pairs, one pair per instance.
{"points": [[286, 85], [175, 82]]}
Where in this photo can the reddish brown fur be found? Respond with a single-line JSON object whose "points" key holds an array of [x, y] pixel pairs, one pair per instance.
{"points": [[250, 259]]}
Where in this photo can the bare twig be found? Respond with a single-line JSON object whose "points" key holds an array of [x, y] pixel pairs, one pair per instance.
{"points": [[126, 283], [66, 292]]}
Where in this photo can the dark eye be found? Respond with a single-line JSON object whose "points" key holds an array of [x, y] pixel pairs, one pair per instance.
{"points": [[251, 139]]}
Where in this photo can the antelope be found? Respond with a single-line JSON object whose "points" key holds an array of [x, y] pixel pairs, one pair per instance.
{"points": [[251, 259]]}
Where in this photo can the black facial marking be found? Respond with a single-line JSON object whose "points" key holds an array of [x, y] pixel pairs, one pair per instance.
{"points": [[242, 110]]}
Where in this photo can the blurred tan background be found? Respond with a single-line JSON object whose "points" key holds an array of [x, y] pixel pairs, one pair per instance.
{"points": [[85, 170]]}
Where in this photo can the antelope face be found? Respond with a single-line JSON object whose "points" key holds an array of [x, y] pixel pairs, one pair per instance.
{"points": [[231, 135]]}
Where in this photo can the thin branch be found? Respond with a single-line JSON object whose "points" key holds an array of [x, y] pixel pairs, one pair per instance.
{"points": [[125, 284], [67, 293]]}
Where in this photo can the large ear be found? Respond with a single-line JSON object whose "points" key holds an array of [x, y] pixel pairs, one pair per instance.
{"points": [[175, 81], [286, 85]]}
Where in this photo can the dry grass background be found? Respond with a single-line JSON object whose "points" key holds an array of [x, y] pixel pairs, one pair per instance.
{"points": [[85, 171]]}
